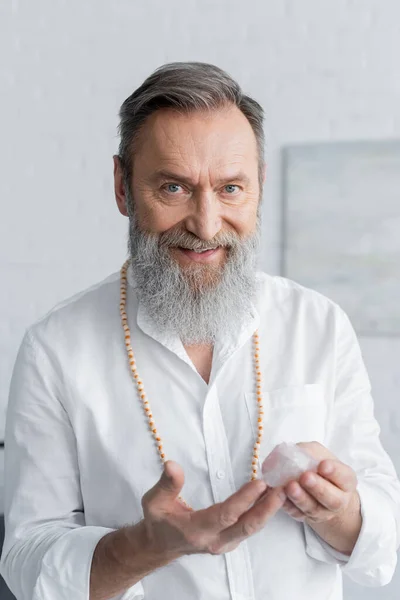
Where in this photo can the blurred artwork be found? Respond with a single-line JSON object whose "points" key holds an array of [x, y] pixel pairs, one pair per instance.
{"points": [[341, 228]]}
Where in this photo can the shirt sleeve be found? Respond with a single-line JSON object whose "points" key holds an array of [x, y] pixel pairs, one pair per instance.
{"points": [[48, 549], [353, 436]]}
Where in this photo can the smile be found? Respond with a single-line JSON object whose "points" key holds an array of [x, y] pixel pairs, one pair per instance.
{"points": [[200, 255]]}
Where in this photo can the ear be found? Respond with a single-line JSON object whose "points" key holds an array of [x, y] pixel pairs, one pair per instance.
{"points": [[119, 188], [264, 172]]}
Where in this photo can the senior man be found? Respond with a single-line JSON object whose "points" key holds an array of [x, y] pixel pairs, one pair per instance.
{"points": [[189, 353]]}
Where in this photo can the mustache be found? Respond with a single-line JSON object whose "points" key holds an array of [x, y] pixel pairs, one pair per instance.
{"points": [[175, 238]]}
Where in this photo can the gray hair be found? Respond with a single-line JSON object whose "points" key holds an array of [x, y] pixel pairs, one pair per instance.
{"points": [[186, 87]]}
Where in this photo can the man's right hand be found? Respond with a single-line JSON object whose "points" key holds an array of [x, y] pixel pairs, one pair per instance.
{"points": [[170, 530], [174, 530]]}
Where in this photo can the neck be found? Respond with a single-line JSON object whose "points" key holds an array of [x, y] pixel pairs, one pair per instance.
{"points": [[201, 356]]}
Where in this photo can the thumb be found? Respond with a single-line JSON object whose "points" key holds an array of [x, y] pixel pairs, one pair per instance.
{"points": [[172, 479], [168, 487]]}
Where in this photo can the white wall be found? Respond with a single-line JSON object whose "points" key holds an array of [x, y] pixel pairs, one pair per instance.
{"points": [[324, 70]]}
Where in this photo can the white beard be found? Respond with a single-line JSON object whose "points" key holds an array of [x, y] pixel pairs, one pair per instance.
{"points": [[201, 302]]}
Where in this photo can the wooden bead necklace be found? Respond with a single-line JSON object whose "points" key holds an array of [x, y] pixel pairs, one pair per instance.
{"points": [[145, 402]]}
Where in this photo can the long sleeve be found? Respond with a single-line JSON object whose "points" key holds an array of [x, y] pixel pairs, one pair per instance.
{"points": [[354, 438], [48, 549]]}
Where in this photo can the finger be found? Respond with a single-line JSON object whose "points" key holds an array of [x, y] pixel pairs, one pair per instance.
{"points": [[292, 510], [254, 519], [265, 492], [323, 492], [302, 500], [164, 493], [223, 515], [339, 474]]}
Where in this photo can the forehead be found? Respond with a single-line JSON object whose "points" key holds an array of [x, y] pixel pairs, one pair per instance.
{"points": [[197, 139]]}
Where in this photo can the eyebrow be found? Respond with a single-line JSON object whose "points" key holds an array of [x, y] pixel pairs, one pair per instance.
{"points": [[162, 174]]}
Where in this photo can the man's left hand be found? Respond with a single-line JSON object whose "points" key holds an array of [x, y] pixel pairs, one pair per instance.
{"points": [[325, 495]]}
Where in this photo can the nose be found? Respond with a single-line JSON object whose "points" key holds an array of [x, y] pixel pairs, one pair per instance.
{"points": [[204, 220]]}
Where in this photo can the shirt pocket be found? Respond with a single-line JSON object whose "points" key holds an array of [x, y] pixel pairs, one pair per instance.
{"points": [[291, 414]]}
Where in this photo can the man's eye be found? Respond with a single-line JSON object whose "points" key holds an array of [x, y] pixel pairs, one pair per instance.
{"points": [[231, 188], [172, 188]]}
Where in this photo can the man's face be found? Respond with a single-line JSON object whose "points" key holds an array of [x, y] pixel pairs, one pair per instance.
{"points": [[198, 174], [193, 214]]}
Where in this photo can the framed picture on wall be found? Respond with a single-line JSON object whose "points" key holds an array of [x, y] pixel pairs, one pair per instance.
{"points": [[341, 227]]}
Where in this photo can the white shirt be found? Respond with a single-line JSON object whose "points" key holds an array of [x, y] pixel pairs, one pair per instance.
{"points": [[79, 455]]}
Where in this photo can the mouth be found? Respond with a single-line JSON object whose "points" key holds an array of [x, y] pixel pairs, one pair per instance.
{"points": [[206, 255]]}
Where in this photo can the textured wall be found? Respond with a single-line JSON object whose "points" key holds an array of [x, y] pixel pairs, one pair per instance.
{"points": [[323, 71]]}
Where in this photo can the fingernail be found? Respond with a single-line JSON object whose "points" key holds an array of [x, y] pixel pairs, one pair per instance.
{"points": [[328, 469], [311, 481], [166, 474]]}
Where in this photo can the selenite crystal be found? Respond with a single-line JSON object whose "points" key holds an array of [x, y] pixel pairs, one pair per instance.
{"points": [[287, 461]]}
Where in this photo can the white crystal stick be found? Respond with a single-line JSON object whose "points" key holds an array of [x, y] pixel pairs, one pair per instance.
{"points": [[287, 461]]}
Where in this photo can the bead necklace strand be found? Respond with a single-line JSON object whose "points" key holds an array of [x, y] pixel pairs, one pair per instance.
{"points": [[145, 402]]}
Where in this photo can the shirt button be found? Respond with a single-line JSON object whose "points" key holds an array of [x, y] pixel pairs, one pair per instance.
{"points": [[220, 474]]}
